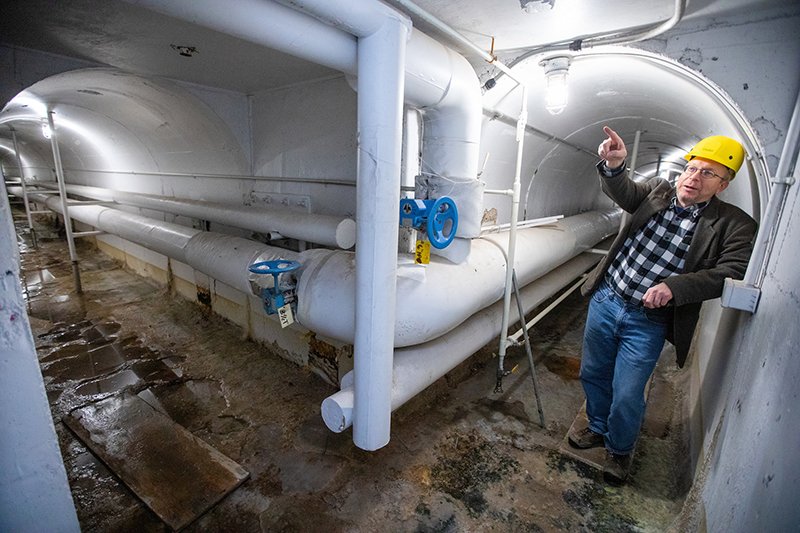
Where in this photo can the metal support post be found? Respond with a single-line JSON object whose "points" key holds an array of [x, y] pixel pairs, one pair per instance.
{"points": [[528, 350], [64, 204], [24, 188]]}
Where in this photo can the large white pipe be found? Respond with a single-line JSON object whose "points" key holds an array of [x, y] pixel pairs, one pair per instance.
{"points": [[382, 34], [320, 229], [270, 24], [435, 298], [444, 86], [219, 256], [438, 81], [417, 367], [432, 299]]}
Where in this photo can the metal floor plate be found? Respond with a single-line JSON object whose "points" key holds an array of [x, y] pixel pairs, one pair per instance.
{"points": [[176, 474]]}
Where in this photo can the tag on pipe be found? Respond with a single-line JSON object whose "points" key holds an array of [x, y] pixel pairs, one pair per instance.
{"points": [[422, 254], [285, 315]]}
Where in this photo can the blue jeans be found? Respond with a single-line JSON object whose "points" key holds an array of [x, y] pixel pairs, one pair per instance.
{"points": [[621, 345]]}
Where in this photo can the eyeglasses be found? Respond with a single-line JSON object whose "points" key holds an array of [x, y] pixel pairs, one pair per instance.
{"points": [[705, 173]]}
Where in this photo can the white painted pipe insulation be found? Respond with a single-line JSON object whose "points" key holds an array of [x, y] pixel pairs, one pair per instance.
{"points": [[433, 299], [320, 229], [417, 367]]}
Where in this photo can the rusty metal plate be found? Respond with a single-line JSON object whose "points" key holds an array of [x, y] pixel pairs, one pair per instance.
{"points": [[176, 474]]}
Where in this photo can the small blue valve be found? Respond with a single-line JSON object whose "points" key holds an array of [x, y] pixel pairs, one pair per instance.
{"points": [[274, 297], [438, 218]]}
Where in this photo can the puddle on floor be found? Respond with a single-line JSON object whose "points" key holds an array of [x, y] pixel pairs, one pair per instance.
{"points": [[88, 361]]}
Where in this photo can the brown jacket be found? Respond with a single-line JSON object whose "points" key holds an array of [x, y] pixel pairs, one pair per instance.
{"points": [[720, 248]]}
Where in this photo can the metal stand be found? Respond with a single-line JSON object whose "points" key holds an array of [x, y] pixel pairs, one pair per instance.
{"points": [[528, 349]]}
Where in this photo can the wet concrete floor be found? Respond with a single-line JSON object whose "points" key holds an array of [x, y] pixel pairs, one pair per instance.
{"points": [[461, 458]]}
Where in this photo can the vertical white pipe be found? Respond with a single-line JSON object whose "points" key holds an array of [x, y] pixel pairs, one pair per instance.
{"points": [[22, 180], [512, 235], [411, 150], [635, 153], [381, 58]]}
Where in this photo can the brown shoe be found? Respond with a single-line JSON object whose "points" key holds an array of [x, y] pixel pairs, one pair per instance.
{"points": [[618, 467], [585, 438]]}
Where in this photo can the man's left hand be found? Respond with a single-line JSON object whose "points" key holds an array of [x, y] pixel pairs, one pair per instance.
{"points": [[657, 296]]}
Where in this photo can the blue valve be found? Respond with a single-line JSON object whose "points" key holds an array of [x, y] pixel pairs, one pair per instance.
{"points": [[438, 218], [275, 298]]}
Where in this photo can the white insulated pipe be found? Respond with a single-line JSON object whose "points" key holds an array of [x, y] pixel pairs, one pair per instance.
{"points": [[438, 81], [433, 299], [382, 35], [269, 24], [443, 85], [381, 57], [417, 367], [222, 257], [321, 229]]}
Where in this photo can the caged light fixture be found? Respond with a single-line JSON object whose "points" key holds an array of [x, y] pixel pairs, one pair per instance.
{"points": [[555, 71]]}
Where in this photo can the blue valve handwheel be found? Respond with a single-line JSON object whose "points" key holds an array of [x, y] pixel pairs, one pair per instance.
{"points": [[273, 267], [442, 222]]}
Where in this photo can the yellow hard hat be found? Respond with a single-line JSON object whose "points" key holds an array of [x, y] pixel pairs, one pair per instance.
{"points": [[723, 150]]}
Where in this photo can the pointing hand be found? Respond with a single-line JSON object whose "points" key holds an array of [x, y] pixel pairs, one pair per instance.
{"points": [[612, 149]]}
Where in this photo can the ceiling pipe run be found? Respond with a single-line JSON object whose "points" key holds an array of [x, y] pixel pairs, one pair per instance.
{"points": [[320, 229]]}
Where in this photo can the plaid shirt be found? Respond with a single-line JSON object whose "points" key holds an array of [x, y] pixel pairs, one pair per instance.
{"points": [[656, 252]]}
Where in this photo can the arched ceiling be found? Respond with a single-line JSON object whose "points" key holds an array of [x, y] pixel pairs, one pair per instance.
{"points": [[119, 34], [110, 120], [628, 90]]}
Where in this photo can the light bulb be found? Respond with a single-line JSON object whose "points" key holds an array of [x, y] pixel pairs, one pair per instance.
{"points": [[557, 92], [555, 71]]}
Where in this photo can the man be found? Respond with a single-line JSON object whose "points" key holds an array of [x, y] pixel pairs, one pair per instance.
{"points": [[675, 252]]}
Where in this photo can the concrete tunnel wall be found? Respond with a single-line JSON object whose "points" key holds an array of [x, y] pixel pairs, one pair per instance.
{"points": [[733, 52]]}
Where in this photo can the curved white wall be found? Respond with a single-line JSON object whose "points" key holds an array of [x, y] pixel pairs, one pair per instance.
{"points": [[109, 120]]}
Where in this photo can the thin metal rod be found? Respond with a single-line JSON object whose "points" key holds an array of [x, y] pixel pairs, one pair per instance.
{"points": [[546, 311], [64, 203], [494, 114], [450, 32], [528, 350]]}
